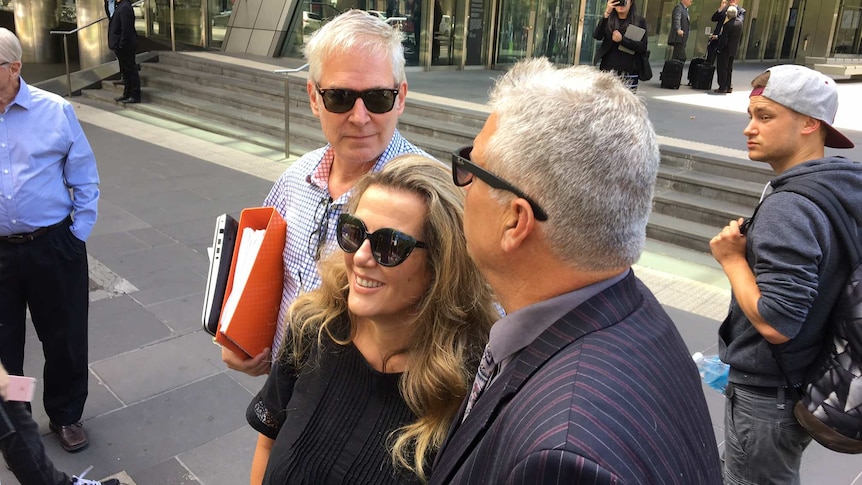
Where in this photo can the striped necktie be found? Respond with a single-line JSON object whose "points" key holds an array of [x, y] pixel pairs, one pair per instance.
{"points": [[487, 367]]}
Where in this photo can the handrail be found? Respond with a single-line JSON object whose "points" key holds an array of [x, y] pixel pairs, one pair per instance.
{"points": [[66, 33], [287, 104]]}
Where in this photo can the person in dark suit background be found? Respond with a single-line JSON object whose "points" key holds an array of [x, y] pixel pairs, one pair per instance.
{"points": [[110, 6], [719, 17], [726, 49], [586, 379], [679, 28], [123, 40]]}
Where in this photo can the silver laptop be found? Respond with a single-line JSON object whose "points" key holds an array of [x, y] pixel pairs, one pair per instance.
{"points": [[224, 240]]}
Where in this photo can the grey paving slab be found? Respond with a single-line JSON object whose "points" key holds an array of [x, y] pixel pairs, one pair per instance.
{"points": [[170, 283], [224, 460], [160, 367], [149, 261], [100, 245], [168, 472], [141, 436], [181, 315], [119, 325], [112, 219]]}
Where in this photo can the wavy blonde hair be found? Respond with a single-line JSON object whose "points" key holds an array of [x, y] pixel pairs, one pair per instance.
{"points": [[452, 320]]}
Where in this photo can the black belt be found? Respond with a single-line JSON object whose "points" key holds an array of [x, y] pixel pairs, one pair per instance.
{"points": [[30, 236], [765, 390]]}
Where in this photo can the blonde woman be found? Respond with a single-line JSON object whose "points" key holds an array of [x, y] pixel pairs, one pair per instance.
{"points": [[380, 357]]}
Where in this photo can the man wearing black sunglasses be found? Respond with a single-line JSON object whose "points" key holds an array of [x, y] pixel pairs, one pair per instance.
{"points": [[586, 379], [357, 87]]}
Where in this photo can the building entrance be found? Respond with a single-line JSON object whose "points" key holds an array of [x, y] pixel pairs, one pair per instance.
{"points": [[537, 28]]}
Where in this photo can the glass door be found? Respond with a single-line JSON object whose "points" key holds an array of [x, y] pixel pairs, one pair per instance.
{"points": [[848, 31], [536, 28], [447, 32]]}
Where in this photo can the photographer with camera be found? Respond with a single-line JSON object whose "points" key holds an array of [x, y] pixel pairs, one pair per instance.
{"points": [[620, 53]]}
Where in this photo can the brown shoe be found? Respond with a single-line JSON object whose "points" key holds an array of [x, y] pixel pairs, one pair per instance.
{"points": [[72, 437]]}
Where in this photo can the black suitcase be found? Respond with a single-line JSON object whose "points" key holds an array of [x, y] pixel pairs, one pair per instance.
{"points": [[693, 66], [703, 77], [671, 74]]}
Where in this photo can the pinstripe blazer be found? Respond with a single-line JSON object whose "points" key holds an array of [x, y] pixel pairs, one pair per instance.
{"points": [[608, 394]]}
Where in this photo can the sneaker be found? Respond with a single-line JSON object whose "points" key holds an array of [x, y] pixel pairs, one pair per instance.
{"points": [[83, 481]]}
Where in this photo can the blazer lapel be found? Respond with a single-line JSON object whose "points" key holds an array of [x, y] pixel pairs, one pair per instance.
{"points": [[601, 311]]}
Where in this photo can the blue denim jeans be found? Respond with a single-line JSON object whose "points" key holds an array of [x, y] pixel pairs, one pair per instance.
{"points": [[23, 449], [763, 440]]}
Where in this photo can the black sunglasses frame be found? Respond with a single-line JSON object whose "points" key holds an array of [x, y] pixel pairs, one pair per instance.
{"points": [[352, 96], [376, 238], [461, 163]]}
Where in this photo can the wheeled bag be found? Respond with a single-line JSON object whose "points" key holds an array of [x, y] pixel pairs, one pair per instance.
{"points": [[693, 66], [671, 74], [703, 77]]}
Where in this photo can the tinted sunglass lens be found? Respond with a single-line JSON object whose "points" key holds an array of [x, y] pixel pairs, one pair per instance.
{"points": [[389, 247], [379, 100], [350, 236], [339, 100]]}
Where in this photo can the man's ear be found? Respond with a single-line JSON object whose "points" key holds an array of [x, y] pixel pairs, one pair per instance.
{"points": [[313, 98], [519, 223]]}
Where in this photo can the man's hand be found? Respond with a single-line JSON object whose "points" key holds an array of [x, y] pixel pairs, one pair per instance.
{"points": [[4, 382], [729, 245], [257, 366], [680, 32]]}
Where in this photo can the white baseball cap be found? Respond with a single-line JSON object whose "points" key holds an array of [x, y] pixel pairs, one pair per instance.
{"points": [[807, 92]]}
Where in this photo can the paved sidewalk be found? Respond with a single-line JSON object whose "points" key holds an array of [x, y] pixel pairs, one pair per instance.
{"points": [[163, 410]]}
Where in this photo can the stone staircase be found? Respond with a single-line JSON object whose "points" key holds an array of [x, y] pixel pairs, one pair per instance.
{"points": [[697, 191]]}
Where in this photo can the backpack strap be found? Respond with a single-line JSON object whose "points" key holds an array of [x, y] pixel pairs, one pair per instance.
{"points": [[844, 226]]}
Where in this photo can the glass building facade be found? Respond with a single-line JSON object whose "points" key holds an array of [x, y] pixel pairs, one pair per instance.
{"points": [[440, 34]]}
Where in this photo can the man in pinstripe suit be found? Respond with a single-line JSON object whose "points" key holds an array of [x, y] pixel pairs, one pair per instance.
{"points": [[588, 380]]}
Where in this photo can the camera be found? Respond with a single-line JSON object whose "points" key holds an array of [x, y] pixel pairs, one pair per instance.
{"points": [[621, 3]]}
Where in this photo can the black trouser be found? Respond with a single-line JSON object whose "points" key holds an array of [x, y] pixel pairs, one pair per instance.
{"points": [[710, 51], [49, 275], [678, 52], [724, 68], [129, 71], [23, 449]]}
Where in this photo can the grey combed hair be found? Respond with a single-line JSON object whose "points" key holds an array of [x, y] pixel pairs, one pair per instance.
{"points": [[10, 46], [732, 12], [579, 142], [360, 31]]}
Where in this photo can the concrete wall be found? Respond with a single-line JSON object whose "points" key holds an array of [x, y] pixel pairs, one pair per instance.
{"points": [[256, 26]]}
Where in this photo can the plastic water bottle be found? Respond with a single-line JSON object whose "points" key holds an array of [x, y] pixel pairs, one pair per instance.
{"points": [[712, 370]]}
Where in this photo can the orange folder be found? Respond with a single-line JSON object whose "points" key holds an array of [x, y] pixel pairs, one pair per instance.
{"points": [[254, 322]]}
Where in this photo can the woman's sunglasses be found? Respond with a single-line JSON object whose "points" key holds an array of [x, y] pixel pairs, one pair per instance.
{"points": [[376, 101], [388, 246]]}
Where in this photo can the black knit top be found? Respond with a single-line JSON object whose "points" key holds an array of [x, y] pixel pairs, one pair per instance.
{"points": [[330, 424]]}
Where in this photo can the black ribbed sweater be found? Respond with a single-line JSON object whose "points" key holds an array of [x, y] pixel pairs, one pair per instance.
{"points": [[330, 424]]}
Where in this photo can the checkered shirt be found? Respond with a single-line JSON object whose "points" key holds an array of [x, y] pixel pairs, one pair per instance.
{"points": [[301, 196]]}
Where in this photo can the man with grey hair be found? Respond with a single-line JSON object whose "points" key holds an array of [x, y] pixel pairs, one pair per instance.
{"points": [[50, 193], [726, 49], [586, 379], [357, 87]]}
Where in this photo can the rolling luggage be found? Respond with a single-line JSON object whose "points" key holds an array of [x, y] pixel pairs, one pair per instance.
{"points": [[703, 77], [671, 74], [693, 66]]}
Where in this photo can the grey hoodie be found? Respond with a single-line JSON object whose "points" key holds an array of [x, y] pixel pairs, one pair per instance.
{"points": [[800, 267]]}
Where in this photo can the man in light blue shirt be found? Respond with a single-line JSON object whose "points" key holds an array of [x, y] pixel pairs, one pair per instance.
{"points": [[49, 192]]}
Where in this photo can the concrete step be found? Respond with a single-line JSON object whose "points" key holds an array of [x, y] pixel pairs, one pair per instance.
{"points": [[709, 186], [717, 164], [680, 232], [708, 211]]}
